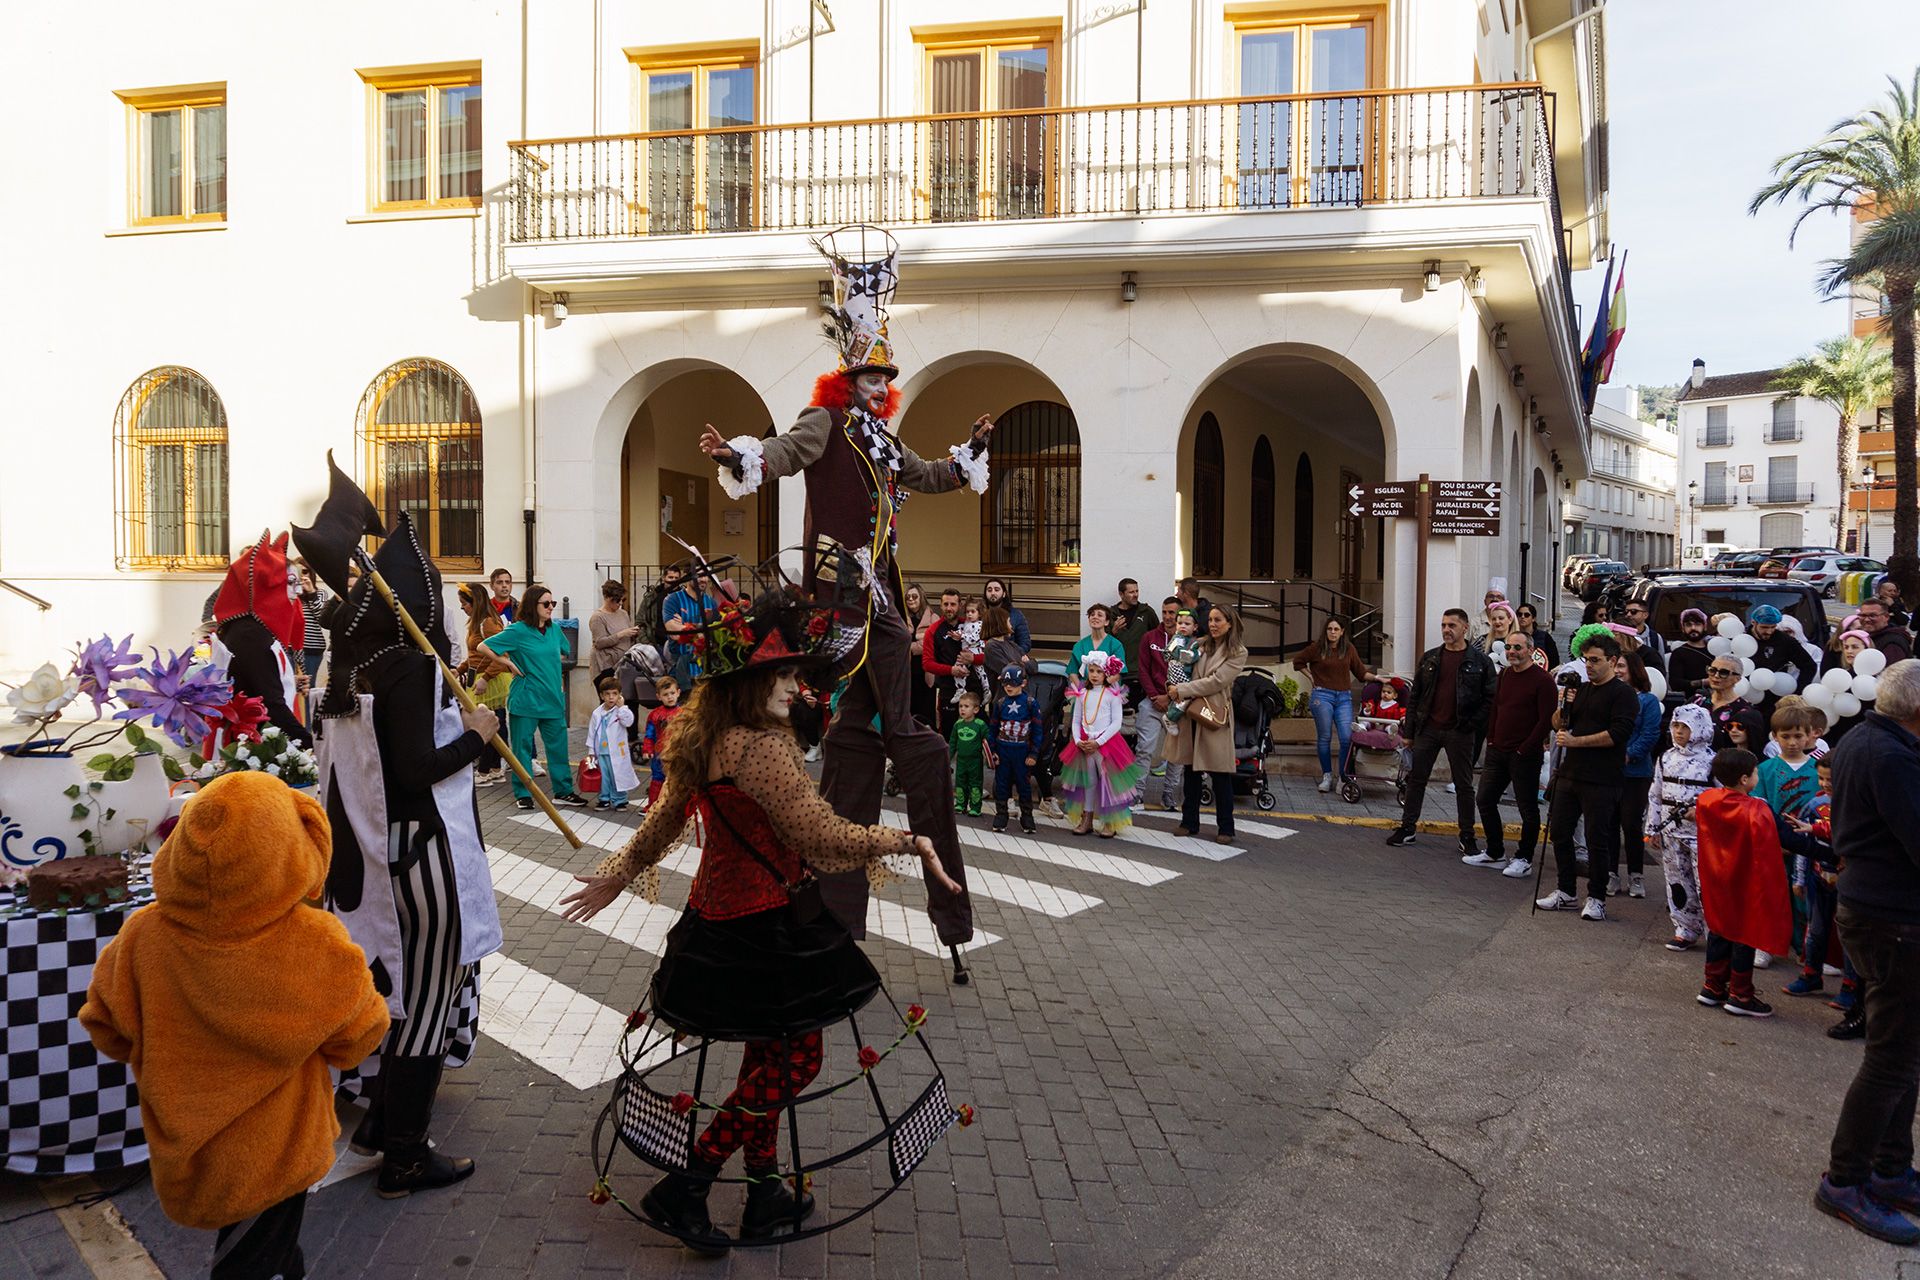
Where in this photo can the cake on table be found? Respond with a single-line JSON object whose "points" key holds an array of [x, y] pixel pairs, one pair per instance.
{"points": [[70, 884]]}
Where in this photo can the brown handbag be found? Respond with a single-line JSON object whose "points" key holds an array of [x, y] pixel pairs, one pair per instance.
{"points": [[1208, 713]]}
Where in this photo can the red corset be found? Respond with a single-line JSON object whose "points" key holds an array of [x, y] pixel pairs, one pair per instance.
{"points": [[731, 882]]}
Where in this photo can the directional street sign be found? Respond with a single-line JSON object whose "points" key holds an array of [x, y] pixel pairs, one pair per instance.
{"points": [[1465, 509], [1398, 498]]}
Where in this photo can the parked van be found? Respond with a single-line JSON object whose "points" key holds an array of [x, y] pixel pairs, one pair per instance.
{"points": [[1700, 554]]}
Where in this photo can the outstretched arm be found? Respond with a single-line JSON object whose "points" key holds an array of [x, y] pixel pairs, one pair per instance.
{"points": [[747, 462]]}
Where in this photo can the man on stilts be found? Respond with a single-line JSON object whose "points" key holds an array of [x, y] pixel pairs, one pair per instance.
{"points": [[858, 474]]}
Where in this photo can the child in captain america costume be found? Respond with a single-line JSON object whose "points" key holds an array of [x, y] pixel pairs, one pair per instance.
{"points": [[1013, 730]]}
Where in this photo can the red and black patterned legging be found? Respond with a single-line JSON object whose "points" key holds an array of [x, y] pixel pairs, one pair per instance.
{"points": [[771, 1073]]}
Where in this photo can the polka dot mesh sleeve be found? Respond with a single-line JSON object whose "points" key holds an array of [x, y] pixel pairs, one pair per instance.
{"points": [[666, 819], [766, 765]]}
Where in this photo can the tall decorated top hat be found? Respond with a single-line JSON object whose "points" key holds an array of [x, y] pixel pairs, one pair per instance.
{"points": [[865, 264]]}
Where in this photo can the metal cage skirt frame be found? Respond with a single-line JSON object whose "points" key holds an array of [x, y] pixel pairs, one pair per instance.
{"points": [[658, 1107]]}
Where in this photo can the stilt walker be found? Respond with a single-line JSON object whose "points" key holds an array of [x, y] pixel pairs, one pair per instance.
{"points": [[858, 475]]}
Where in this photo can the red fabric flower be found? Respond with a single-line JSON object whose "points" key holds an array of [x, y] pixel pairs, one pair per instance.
{"points": [[817, 626], [636, 1019], [869, 1057], [600, 1194], [916, 1014], [966, 1114], [240, 719], [683, 1103], [699, 644]]}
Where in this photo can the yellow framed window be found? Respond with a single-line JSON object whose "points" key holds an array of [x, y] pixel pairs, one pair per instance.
{"points": [[981, 169], [424, 139], [419, 429], [694, 184], [177, 155], [170, 460], [1289, 154]]}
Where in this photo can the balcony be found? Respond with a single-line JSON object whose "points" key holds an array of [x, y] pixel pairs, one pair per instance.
{"points": [[1719, 498], [1875, 442], [1785, 432], [1782, 495], [1292, 151], [1715, 438], [1878, 498]]}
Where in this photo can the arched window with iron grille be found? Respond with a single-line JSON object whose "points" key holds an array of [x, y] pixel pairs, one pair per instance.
{"points": [[1303, 518], [1030, 522], [418, 428], [1209, 499], [1260, 552], [170, 464]]}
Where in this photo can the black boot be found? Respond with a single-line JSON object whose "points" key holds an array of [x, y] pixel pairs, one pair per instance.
{"points": [[999, 815], [772, 1207], [1853, 1026], [678, 1202], [370, 1135], [411, 1164], [1026, 815]]}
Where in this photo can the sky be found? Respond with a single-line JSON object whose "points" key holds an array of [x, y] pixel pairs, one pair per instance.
{"points": [[1704, 95]]}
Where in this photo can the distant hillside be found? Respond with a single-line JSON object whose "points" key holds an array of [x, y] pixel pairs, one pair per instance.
{"points": [[1658, 402]]}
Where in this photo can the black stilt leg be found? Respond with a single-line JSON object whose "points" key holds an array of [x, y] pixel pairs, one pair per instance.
{"points": [[960, 975]]}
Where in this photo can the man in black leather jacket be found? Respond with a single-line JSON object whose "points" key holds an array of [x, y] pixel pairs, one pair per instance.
{"points": [[1452, 695]]}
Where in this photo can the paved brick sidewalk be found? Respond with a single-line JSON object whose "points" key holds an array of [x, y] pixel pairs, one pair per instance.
{"points": [[1131, 1061]]}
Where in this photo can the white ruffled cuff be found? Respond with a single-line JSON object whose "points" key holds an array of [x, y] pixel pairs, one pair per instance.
{"points": [[746, 451], [973, 468]]}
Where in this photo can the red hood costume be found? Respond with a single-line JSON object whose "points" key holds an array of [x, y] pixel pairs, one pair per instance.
{"points": [[257, 623], [1743, 879]]}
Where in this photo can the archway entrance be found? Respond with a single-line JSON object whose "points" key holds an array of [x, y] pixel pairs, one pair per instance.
{"points": [[1301, 411], [667, 486]]}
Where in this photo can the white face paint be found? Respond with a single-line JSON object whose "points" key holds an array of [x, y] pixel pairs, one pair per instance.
{"points": [[786, 687]]}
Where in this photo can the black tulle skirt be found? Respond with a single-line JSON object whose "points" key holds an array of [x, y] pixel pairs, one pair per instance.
{"points": [[761, 976]]}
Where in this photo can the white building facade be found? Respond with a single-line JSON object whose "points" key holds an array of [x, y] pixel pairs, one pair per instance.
{"points": [[1625, 509], [505, 265], [1757, 468]]}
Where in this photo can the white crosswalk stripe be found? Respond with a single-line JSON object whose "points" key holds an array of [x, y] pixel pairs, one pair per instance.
{"points": [[1091, 861], [550, 1024]]}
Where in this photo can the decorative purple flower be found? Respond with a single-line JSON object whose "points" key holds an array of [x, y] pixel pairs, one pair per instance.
{"points": [[178, 699], [101, 664]]}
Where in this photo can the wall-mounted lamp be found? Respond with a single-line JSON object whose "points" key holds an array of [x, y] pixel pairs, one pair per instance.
{"points": [[558, 307], [1431, 278], [826, 295], [1499, 337], [1129, 290], [1519, 376], [1533, 407], [1476, 284], [1540, 425]]}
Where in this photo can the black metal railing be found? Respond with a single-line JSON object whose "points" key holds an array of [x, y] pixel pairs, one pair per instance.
{"points": [[1288, 151], [1715, 437], [1280, 616], [1783, 495], [1781, 432]]}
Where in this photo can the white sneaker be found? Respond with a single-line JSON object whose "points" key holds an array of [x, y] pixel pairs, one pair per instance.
{"points": [[1483, 860], [1450, 789], [537, 769], [1636, 885], [1613, 884], [1594, 910], [1326, 782], [1556, 901], [1763, 959], [1832, 971], [1518, 869], [813, 753]]}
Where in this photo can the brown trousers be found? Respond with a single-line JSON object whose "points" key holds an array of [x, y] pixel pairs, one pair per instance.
{"points": [[855, 770]]}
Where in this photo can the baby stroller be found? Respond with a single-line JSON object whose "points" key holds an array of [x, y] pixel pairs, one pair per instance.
{"points": [[1048, 688], [1377, 737], [1256, 701]]}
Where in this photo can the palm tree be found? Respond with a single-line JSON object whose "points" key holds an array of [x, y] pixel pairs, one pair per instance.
{"points": [[1871, 162], [1853, 375]]}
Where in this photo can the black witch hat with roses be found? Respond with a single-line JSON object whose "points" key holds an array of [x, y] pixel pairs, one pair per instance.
{"points": [[781, 625]]}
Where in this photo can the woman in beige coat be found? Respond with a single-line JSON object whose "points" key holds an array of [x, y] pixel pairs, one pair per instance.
{"points": [[1201, 747]]}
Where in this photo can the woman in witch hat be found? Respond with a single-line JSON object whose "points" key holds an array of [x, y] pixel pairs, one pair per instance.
{"points": [[754, 958]]}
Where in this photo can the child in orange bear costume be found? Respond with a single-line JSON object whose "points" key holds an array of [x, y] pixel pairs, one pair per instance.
{"points": [[231, 996]]}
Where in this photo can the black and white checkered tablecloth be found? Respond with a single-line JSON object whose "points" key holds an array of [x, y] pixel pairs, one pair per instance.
{"points": [[66, 1108]]}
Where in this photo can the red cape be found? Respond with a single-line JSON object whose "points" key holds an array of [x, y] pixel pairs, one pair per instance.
{"points": [[1743, 878]]}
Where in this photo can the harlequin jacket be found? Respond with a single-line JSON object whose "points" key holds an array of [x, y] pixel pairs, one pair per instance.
{"points": [[231, 996]]}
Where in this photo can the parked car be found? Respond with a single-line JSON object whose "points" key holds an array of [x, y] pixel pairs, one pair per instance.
{"points": [[1824, 571], [1724, 558], [1595, 578], [1701, 554], [1747, 562], [1790, 552], [1575, 565], [1668, 595]]}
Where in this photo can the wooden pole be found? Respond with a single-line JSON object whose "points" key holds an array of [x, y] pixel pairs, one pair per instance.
{"points": [[1422, 518], [466, 699]]}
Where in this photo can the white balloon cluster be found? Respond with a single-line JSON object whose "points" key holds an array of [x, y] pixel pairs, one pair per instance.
{"points": [[1842, 693]]}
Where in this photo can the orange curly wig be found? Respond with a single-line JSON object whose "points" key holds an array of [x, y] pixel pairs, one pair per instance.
{"points": [[834, 391]]}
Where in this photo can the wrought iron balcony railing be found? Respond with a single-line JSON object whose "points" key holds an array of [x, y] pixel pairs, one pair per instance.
{"points": [[1715, 437], [1291, 151], [1782, 495], [1783, 432]]}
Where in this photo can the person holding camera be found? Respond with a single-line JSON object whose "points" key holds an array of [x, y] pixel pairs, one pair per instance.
{"points": [[1452, 695], [1591, 727]]}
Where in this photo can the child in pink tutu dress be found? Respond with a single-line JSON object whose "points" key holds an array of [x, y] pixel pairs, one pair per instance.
{"points": [[1099, 777]]}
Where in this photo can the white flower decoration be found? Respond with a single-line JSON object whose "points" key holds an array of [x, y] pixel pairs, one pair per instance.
{"points": [[274, 769], [42, 695], [271, 731]]}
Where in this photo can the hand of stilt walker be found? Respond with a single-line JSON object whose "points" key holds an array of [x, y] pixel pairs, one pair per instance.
{"points": [[466, 699]]}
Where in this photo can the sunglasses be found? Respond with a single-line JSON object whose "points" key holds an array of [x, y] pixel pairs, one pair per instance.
{"points": [[1720, 671], [546, 604]]}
